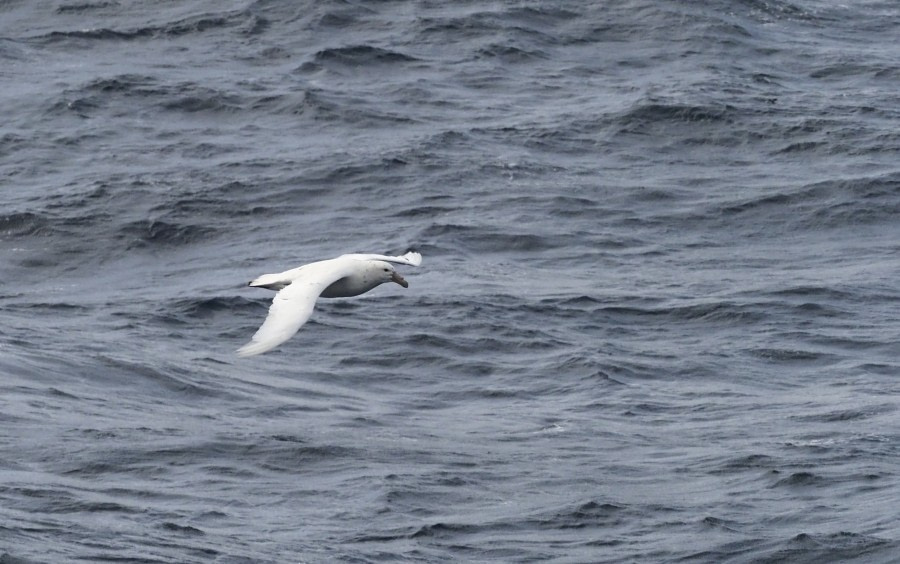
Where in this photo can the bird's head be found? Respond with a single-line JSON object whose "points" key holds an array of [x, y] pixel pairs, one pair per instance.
{"points": [[386, 273]]}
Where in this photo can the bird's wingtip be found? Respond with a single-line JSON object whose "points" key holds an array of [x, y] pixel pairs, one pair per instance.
{"points": [[414, 257], [252, 348]]}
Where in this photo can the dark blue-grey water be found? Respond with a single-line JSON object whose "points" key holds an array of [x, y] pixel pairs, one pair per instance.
{"points": [[658, 317]]}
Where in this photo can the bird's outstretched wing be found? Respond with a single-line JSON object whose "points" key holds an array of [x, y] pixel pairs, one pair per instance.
{"points": [[411, 258], [294, 304]]}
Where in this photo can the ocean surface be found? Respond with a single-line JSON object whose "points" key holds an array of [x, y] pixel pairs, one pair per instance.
{"points": [[657, 320]]}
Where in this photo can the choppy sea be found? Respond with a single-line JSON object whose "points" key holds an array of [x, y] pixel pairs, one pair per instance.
{"points": [[657, 320]]}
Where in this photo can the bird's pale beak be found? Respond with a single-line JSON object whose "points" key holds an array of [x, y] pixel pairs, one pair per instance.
{"points": [[399, 280]]}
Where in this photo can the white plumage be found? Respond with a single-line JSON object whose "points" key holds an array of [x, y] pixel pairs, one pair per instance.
{"points": [[299, 288]]}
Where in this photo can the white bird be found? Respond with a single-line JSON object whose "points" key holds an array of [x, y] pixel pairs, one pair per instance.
{"points": [[298, 289]]}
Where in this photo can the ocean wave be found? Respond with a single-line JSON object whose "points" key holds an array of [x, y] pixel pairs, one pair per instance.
{"points": [[360, 55], [244, 21], [155, 234], [21, 224]]}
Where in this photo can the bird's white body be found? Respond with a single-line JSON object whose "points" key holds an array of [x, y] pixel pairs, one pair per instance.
{"points": [[299, 288]]}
